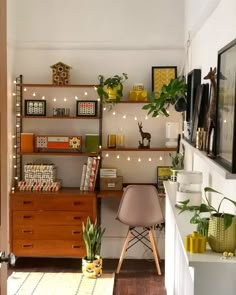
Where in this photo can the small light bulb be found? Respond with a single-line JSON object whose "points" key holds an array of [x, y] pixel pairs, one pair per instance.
{"points": [[14, 94], [65, 99], [139, 160], [100, 147], [15, 166], [14, 157], [18, 115], [128, 159], [13, 136], [113, 113], [118, 156], [99, 157], [16, 177], [149, 159], [99, 99], [146, 117], [17, 126], [15, 146], [34, 94], [25, 89], [14, 81], [135, 118], [85, 93], [76, 97], [43, 97], [161, 158], [107, 155], [104, 109], [225, 121], [17, 104], [124, 116], [95, 88], [54, 99]]}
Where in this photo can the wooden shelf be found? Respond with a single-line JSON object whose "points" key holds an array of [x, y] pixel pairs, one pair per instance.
{"points": [[76, 154], [59, 117], [58, 86], [131, 149]]}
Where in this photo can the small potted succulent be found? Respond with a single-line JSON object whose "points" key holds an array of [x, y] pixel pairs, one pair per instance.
{"points": [[177, 163], [222, 226], [92, 263], [110, 90]]}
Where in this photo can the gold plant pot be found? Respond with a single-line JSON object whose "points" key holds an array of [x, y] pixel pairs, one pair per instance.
{"points": [[112, 92], [92, 269], [219, 238]]}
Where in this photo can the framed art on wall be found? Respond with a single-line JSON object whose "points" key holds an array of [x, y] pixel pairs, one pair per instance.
{"points": [[163, 174], [226, 107], [35, 107], [86, 108], [162, 76]]}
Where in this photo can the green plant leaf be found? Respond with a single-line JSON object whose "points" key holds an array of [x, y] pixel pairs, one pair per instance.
{"points": [[228, 219]]}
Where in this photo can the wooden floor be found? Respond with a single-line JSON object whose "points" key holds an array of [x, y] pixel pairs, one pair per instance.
{"points": [[137, 277]]}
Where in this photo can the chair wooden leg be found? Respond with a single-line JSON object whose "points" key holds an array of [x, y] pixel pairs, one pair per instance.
{"points": [[154, 249], [158, 255], [123, 251]]}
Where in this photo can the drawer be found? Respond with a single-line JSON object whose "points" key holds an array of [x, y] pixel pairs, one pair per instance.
{"points": [[46, 248], [48, 218], [61, 232], [70, 203]]}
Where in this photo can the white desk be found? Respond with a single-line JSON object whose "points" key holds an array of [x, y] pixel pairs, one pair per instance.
{"points": [[192, 274]]}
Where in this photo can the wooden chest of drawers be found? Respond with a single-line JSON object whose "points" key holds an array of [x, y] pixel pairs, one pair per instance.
{"points": [[47, 224]]}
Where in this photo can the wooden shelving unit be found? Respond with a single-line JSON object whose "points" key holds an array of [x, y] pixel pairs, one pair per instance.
{"points": [[132, 149]]}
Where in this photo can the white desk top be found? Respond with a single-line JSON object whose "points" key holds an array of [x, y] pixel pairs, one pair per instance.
{"points": [[185, 228]]}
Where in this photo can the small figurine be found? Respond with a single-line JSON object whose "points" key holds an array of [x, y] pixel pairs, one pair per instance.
{"points": [[145, 135]]}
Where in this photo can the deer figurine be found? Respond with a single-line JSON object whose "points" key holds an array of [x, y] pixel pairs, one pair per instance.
{"points": [[211, 113], [145, 135]]}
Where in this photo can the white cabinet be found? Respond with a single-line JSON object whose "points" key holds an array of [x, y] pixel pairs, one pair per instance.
{"points": [[192, 274]]}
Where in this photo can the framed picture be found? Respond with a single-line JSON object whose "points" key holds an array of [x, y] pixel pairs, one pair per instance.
{"points": [[162, 76], [35, 107], [86, 108], [200, 109], [193, 81], [225, 115], [163, 174]]}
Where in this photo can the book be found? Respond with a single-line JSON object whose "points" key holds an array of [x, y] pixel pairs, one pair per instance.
{"points": [[93, 174], [83, 177], [87, 174]]}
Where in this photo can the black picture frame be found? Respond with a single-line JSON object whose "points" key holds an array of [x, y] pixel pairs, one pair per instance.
{"points": [[163, 174], [86, 108], [36, 108], [225, 137], [162, 75], [200, 110], [193, 81]]}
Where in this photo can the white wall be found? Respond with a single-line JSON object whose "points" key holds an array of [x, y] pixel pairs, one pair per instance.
{"points": [[213, 34], [104, 38]]}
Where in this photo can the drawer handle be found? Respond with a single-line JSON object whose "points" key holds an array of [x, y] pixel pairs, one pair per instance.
{"points": [[76, 232], [77, 203], [28, 246], [77, 218], [26, 231], [76, 246], [27, 202], [27, 216]]}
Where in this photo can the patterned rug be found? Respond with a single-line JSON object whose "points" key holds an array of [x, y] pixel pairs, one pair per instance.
{"points": [[40, 283]]}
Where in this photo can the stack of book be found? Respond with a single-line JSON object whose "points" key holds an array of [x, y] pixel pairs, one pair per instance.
{"points": [[89, 174], [108, 172]]}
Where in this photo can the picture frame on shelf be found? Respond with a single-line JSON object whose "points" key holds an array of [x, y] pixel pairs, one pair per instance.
{"points": [[162, 75], [86, 108], [35, 107], [225, 136], [163, 174]]}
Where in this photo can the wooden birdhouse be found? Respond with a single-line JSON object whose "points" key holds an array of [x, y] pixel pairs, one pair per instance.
{"points": [[60, 73]]}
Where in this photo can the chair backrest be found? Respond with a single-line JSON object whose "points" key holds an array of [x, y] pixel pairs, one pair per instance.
{"points": [[140, 206]]}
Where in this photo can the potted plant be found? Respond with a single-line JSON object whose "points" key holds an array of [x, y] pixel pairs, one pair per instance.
{"points": [[173, 93], [92, 263], [110, 90], [222, 225], [177, 163]]}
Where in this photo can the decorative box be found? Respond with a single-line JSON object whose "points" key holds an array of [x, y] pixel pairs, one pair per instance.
{"points": [[91, 143], [48, 186], [58, 143], [40, 172], [27, 142], [111, 183]]}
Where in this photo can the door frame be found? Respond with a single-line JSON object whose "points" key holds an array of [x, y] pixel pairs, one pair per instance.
{"points": [[4, 171]]}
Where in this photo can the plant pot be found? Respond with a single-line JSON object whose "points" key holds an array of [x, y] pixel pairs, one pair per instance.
{"points": [[112, 92], [219, 238], [92, 269]]}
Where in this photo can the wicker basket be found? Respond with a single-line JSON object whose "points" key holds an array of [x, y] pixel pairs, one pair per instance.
{"points": [[219, 239]]}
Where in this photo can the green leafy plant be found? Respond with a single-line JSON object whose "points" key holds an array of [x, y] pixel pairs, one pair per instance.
{"points": [[177, 161], [173, 93], [92, 234], [112, 83], [206, 207]]}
